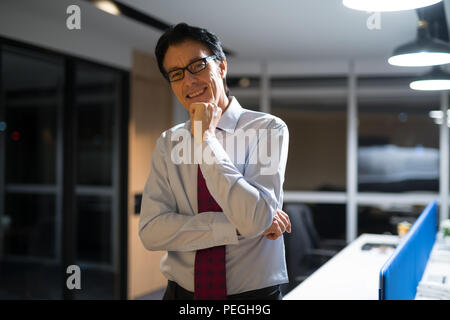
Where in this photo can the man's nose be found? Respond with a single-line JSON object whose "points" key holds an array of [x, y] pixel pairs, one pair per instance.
{"points": [[189, 78]]}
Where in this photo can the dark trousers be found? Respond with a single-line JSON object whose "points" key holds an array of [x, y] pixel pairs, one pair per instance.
{"points": [[176, 292]]}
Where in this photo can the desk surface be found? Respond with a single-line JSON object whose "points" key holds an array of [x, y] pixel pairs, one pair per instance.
{"points": [[352, 274]]}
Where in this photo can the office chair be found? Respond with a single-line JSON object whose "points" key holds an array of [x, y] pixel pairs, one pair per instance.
{"points": [[318, 243], [303, 252]]}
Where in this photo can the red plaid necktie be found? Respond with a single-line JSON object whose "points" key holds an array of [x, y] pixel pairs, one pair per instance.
{"points": [[209, 271]]}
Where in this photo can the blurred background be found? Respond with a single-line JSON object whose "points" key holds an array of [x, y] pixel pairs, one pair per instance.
{"points": [[82, 104]]}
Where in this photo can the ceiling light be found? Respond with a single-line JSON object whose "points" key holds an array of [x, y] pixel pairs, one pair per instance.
{"points": [[244, 82], [436, 114], [440, 121], [387, 5], [423, 51], [107, 6], [434, 80]]}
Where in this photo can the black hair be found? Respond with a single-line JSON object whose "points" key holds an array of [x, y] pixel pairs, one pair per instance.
{"points": [[181, 32]]}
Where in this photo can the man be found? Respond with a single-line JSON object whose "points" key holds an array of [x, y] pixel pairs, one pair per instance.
{"points": [[223, 237]]}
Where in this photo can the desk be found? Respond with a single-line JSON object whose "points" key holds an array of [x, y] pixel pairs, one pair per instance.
{"points": [[352, 274], [437, 271]]}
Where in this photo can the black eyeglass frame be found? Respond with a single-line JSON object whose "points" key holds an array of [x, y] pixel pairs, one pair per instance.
{"points": [[205, 60]]}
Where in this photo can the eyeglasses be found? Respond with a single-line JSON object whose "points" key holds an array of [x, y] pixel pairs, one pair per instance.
{"points": [[194, 67]]}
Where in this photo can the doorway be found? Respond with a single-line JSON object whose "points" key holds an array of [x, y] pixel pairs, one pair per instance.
{"points": [[63, 173]]}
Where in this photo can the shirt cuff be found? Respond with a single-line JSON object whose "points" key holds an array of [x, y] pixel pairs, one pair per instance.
{"points": [[223, 230]]}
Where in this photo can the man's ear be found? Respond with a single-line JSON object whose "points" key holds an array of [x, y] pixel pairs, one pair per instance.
{"points": [[223, 68]]}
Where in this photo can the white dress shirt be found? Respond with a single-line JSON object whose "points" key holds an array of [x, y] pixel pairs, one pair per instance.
{"points": [[246, 184]]}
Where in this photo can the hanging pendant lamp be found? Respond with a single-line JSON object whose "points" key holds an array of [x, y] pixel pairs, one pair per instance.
{"points": [[387, 5], [436, 79], [422, 52]]}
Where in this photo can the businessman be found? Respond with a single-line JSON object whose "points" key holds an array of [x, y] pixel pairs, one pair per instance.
{"points": [[214, 194]]}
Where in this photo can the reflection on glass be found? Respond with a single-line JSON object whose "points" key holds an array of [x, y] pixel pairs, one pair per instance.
{"points": [[31, 86], [328, 221], [31, 92], [31, 228], [30, 222], [398, 145], [384, 219], [317, 143], [94, 247], [312, 82], [29, 268], [95, 285], [94, 229], [243, 82], [96, 99], [251, 103]]}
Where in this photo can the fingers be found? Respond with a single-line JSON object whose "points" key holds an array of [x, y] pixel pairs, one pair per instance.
{"points": [[275, 230], [195, 108], [198, 112], [279, 227], [272, 236], [285, 219], [208, 114], [280, 224], [194, 111], [201, 110]]}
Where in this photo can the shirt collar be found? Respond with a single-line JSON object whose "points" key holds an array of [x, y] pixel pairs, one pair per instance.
{"points": [[228, 121]]}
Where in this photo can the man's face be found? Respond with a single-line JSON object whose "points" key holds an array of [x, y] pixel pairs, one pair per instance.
{"points": [[204, 86]]}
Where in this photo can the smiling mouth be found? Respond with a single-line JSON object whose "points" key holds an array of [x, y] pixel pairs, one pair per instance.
{"points": [[196, 93]]}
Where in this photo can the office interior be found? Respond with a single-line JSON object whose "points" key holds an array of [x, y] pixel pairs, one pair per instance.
{"points": [[81, 108]]}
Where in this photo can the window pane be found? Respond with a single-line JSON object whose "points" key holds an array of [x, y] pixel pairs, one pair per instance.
{"points": [[398, 144], [30, 280], [245, 89], [96, 101], [32, 225], [94, 245], [328, 220], [312, 82], [94, 229], [32, 94], [251, 103], [383, 219], [96, 284], [317, 143], [29, 267], [32, 88], [243, 82]]}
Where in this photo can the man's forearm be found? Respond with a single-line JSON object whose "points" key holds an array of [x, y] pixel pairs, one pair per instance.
{"points": [[250, 202]]}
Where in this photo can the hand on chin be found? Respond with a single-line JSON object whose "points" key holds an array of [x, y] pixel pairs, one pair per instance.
{"points": [[204, 118]]}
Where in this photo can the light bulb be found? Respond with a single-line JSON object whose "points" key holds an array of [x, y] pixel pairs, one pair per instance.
{"points": [[420, 59], [430, 85]]}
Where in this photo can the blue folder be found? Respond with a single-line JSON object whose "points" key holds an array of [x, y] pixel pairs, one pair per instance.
{"points": [[402, 272]]}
